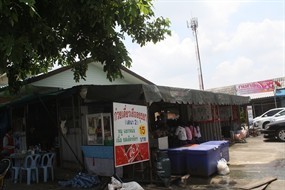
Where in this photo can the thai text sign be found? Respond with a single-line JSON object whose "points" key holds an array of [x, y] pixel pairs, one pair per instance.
{"points": [[255, 87], [130, 134]]}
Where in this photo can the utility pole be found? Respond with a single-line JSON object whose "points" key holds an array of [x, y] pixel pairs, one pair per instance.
{"points": [[194, 26]]}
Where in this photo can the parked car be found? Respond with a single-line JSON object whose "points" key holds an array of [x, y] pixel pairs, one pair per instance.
{"points": [[268, 116], [280, 116], [275, 130]]}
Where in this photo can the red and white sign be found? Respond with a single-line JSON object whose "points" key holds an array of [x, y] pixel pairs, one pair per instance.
{"points": [[130, 134]]}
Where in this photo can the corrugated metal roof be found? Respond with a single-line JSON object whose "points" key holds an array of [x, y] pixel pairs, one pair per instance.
{"points": [[261, 95], [154, 93]]}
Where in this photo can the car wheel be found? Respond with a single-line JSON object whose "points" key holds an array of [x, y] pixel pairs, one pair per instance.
{"points": [[281, 134], [265, 123]]}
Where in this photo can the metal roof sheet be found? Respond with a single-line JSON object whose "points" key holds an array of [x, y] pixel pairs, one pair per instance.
{"points": [[261, 95]]}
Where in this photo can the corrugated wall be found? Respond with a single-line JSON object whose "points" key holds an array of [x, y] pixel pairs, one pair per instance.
{"points": [[210, 131]]}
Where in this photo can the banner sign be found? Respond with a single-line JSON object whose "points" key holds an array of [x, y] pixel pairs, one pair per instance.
{"points": [[280, 92], [255, 87], [130, 134], [250, 114]]}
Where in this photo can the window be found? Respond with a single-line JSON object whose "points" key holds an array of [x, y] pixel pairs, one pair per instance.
{"points": [[99, 129]]}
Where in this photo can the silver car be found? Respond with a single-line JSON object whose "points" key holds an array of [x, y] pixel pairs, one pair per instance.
{"points": [[269, 116]]}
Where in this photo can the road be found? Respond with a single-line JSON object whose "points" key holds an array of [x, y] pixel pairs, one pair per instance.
{"points": [[249, 163]]}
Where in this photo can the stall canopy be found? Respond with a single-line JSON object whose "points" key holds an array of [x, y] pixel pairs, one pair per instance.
{"points": [[154, 93], [134, 93], [26, 94]]}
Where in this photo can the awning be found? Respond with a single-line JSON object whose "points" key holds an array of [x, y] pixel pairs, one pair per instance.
{"points": [[26, 93], [154, 93], [261, 95], [132, 93]]}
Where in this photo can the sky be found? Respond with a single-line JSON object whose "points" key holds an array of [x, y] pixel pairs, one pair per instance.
{"points": [[240, 41]]}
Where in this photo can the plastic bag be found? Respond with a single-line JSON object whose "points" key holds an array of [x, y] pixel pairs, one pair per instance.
{"points": [[131, 186], [222, 166], [116, 184]]}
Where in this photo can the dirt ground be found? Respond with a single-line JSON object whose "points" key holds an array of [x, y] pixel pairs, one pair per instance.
{"points": [[249, 163]]}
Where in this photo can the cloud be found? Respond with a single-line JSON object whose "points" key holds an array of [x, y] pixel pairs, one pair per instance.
{"points": [[264, 35], [166, 63], [236, 45], [220, 12], [261, 43], [228, 71]]}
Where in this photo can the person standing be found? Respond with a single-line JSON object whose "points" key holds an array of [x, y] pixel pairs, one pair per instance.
{"points": [[8, 144], [181, 134]]}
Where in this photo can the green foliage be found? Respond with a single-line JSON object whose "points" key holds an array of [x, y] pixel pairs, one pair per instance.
{"points": [[37, 34], [242, 115]]}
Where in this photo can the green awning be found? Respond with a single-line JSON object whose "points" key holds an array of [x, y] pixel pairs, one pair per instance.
{"points": [[154, 93]]}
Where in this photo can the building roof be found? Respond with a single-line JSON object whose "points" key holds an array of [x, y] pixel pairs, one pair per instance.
{"points": [[154, 93], [62, 69], [125, 72], [262, 95], [255, 90]]}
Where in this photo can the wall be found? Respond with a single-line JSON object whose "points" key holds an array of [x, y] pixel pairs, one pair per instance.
{"points": [[95, 75]]}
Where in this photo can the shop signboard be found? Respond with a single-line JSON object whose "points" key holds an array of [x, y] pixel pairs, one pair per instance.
{"points": [[131, 143], [280, 92], [249, 114], [255, 87]]}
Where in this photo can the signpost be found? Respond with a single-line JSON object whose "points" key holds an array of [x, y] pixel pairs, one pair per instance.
{"points": [[131, 143]]}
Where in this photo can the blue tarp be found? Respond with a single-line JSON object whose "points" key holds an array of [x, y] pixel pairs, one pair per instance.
{"points": [[81, 180]]}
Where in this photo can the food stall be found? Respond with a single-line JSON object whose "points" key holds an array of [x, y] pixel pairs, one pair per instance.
{"points": [[109, 144], [116, 140], [126, 138]]}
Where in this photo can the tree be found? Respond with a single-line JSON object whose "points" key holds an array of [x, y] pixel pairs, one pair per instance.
{"points": [[37, 34]]}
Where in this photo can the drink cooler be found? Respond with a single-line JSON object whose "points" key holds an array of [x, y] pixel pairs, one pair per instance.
{"points": [[223, 148], [178, 160], [202, 160]]}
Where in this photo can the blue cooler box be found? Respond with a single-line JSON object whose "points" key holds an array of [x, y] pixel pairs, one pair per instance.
{"points": [[202, 160], [223, 147], [178, 161]]}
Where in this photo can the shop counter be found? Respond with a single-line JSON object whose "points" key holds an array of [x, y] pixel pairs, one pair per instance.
{"points": [[100, 160]]}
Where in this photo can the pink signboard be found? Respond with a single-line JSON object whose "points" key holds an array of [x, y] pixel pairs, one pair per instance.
{"points": [[255, 87]]}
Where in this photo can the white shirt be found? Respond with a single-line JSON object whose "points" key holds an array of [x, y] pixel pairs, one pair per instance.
{"points": [[181, 133]]}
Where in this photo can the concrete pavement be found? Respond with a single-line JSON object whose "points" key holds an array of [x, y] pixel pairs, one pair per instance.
{"points": [[249, 163]]}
